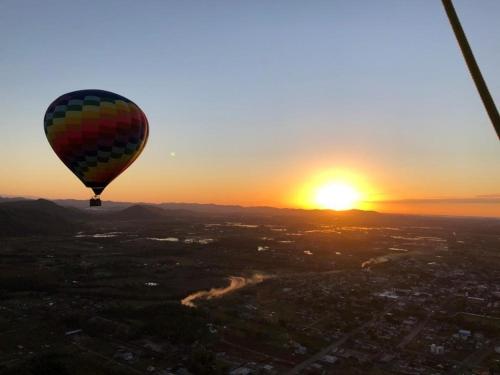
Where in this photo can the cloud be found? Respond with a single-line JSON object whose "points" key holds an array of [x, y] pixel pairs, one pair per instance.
{"points": [[479, 199], [489, 196]]}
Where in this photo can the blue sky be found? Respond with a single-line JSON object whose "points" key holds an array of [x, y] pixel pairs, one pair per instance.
{"points": [[256, 96]]}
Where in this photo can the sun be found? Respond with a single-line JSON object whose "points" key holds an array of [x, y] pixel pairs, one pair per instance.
{"points": [[336, 189], [337, 196]]}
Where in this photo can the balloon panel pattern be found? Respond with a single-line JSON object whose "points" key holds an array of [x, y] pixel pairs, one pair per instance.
{"points": [[97, 134]]}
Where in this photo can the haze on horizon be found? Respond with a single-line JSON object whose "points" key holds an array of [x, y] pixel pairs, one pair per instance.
{"points": [[262, 103]]}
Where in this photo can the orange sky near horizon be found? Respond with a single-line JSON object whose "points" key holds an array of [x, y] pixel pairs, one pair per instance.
{"points": [[142, 183]]}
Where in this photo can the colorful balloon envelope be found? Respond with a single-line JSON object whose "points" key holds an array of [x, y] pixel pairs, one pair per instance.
{"points": [[97, 134]]}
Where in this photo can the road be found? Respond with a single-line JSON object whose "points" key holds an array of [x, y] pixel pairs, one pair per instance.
{"points": [[264, 355], [473, 360], [108, 359], [303, 365], [414, 332]]}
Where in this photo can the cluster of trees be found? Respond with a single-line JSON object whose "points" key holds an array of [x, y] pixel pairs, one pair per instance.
{"points": [[202, 361], [42, 364], [178, 324]]}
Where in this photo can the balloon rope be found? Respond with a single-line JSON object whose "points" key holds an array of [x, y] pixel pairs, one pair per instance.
{"points": [[488, 102]]}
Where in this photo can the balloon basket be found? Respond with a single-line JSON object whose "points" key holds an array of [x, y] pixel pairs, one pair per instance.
{"points": [[95, 202]]}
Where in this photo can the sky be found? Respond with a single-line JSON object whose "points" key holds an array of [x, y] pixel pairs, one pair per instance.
{"points": [[255, 102]]}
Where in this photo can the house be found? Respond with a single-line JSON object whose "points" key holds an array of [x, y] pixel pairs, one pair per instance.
{"points": [[331, 359], [241, 371], [464, 334]]}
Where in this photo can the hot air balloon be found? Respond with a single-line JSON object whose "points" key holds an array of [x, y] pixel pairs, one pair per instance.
{"points": [[97, 134]]}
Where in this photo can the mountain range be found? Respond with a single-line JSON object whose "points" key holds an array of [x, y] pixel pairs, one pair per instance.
{"points": [[20, 216]]}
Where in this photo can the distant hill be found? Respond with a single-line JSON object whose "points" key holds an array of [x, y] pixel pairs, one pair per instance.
{"points": [[216, 209], [24, 217], [11, 199], [139, 212], [268, 213], [207, 209], [149, 212], [84, 204], [20, 216]]}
